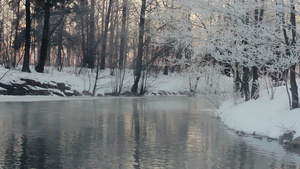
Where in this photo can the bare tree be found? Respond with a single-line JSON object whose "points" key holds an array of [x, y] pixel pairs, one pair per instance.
{"points": [[1, 33], [104, 37], [45, 37], [59, 62], [139, 59], [258, 16], [25, 67], [83, 33], [92, 44], [123, 35], [17, 41]]}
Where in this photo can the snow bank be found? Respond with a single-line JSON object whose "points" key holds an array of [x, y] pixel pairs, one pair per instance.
{"points": [[174, 83], [263, 116]]}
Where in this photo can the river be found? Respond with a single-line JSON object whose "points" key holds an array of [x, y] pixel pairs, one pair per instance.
{"points": [[146, 132]]}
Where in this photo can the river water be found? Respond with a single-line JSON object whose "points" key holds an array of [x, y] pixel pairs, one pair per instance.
{"points": [[153, 132]]}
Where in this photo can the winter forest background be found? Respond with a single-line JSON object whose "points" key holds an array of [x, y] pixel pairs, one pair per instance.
{"points": [[248, 40]]}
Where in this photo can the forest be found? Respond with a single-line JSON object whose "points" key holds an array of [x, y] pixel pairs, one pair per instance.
{"points": [[248, 39]]}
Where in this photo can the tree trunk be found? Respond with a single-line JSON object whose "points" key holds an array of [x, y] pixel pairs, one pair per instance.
{"points": [[139, 59], [116, 44], [83, 44], [166, 68], [59, 63], [45, 38], [237, 81], [25, 67], [16, 41], [103, 49], [246, 83], [1, 32], [255, 84], [294, 87], [96, 78], [1, 36], [123, 35], [92, 44], [111, 42], [68, 57], [48, 59]]}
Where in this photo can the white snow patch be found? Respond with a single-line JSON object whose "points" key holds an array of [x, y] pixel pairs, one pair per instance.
{"points": [[172, 83], [262, 116]]}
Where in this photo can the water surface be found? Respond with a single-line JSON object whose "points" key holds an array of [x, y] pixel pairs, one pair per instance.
{"points": [[155, 132]]}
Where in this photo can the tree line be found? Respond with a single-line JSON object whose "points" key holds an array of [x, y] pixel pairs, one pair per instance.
{"points": [[83, 33], [253, 37], [65, 32]]}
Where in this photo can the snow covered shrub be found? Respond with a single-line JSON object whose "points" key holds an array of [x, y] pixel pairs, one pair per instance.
{"points": [[214, 85], [272, 81], [117, 81], [148, 80]]}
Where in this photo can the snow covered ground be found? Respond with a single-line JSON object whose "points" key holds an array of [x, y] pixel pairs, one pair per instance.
{"points": [[262, 116], [84, 81], [173, 84]]}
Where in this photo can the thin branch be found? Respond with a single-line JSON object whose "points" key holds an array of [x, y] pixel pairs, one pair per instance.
{"points": [[4, 74]]}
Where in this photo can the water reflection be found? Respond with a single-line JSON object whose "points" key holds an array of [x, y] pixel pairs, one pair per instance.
{"points": [[128, 133]]}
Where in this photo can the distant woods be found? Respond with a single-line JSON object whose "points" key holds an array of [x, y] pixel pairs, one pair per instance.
{"points": [[81, 33], [94, 34]]}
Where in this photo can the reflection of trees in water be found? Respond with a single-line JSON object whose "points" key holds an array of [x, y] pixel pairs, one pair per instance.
{"points": [[33, 151], [39, 154], [136, 122], [10, 154], [24, 139], [213, 146], [160, 136], [18, 154], [121, 143], [24, 156], [43, 139], [273, 161], [17, 144], [243, 154]]}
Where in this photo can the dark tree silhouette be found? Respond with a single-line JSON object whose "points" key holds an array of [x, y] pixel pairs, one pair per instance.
{"points": [[103, 47], [25, 67], [294, 87], [139, 59], [45, 38]]}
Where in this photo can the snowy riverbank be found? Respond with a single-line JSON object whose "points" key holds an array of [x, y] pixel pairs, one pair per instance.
{"points": [[262, 116], [72, 80]]}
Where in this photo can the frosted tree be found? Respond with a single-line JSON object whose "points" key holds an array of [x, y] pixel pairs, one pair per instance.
{"points": [[245, 34], [292, 49]]}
